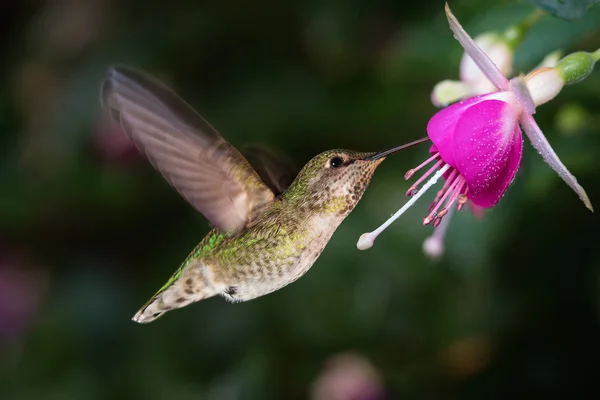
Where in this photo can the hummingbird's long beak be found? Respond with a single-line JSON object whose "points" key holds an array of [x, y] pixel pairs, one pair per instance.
{"points": [[385, 153]]}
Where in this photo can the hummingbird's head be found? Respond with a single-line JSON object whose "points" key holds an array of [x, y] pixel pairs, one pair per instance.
{"points": [[335, 180]]}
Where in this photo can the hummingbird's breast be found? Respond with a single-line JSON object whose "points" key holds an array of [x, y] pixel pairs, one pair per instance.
{"points": [[275, 252]]}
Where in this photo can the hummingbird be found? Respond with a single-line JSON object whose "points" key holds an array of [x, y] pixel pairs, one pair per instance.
{"points": [[268, 226]]}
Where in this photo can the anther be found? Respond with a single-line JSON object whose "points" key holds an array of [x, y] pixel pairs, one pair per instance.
{"points": [[427, 220], [443, 212]]}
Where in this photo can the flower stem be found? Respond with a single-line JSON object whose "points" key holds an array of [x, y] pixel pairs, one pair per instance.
{"points": [[515, 34], [366, 239], [532, 18], [596, 55]]}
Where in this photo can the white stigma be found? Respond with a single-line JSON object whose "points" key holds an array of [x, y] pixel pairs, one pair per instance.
{"points": [[366, 239], [433, 246]]}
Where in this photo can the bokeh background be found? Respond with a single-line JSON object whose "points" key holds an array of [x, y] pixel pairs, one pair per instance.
{"points": [[88, 230]]}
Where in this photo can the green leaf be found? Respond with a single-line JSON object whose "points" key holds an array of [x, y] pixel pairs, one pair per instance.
{"points": [[565, 9]]}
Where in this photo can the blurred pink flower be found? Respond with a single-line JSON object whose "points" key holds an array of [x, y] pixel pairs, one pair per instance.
{"points": [[348, 377], [20, 288], [112, 143]]}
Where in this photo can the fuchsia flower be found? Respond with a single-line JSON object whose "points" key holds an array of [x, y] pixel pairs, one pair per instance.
{"points": [[499, 47], [477, 143]]}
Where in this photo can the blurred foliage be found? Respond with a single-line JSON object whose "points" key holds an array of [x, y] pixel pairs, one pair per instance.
{"points": [[567, 9], [88, 231]]}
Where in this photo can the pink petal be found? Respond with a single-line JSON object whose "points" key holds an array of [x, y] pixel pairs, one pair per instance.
{"points": [[487, 147], [483, 62], [494, 192], [442, 125], [539, 141]]}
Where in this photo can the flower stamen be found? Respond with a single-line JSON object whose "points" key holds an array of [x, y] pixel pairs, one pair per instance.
{"points": [[434, 214], [409, 174], [422, 178], [462, 200], [444, 188], [458, 191], [366, 240]]}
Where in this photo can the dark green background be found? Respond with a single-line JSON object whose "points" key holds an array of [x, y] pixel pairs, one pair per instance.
{"points": [[88, 231]]}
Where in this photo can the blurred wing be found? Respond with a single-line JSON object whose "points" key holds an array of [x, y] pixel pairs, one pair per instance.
{"points": [[206, 170], [274, 167]]}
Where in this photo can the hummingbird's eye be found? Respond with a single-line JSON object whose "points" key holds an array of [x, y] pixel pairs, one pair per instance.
{"points": [[336, 162]]}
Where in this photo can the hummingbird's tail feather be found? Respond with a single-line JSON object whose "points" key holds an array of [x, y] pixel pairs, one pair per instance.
{"points": [[188, 285]]}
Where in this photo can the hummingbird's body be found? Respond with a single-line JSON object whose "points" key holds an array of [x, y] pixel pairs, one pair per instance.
{"points": [[266, 234], [277, 249], [254, 262]]}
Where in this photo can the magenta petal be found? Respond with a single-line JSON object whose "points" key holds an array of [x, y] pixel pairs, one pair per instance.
{"points": [[442, 125], [494, 192], [487, 145]]}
